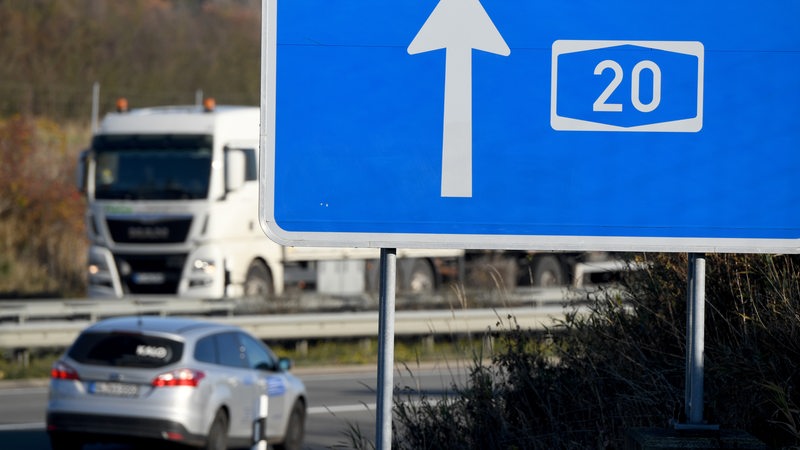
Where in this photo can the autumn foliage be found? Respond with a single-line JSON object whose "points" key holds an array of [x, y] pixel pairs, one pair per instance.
{"points": [[154, 52], [52, 52], [42, 250]]}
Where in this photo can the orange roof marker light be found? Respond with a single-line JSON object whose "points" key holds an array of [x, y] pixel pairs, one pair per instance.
{"points": [[122, 105], [209, 104]]}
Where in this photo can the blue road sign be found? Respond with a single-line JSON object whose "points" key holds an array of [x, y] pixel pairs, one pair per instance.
{"points": [[580, 125]]}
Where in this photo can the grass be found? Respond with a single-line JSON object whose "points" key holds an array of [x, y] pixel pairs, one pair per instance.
{"points": [[17, 366], [317, 353]]}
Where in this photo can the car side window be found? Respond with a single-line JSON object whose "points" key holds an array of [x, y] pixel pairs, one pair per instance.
{"points": [[230, 351], [258, 356], [206, 350]]}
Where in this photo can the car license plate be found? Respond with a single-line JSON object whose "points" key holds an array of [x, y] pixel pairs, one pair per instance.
{"points": [[114, 389], [148, 278]]}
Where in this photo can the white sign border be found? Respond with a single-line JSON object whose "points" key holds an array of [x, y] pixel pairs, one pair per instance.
{"points": [[565, 46]]}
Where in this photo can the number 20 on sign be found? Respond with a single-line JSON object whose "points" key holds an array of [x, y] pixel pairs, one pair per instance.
{"points": [[627, 86]]}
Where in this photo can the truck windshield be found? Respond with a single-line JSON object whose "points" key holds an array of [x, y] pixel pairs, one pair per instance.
{"points": [[152, 167]]}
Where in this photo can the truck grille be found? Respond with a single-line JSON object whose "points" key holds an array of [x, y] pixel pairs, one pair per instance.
{"points": [[150, 274], [152, 231]]}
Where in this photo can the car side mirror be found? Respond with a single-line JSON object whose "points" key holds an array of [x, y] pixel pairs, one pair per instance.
{"points": [[284, 364]]}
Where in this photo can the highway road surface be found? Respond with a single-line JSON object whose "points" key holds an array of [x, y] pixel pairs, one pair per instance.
{"points": [[340, 398]]}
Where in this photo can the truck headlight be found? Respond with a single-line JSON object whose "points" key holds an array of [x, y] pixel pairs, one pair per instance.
{"points": [[99, 271], [204, 266]]}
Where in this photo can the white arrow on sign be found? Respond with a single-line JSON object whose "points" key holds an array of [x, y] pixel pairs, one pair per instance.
{"points": [[458, 26]]}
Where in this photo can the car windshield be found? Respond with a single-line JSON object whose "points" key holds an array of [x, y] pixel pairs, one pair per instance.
{"points": [[125, 350], [152, 167]]}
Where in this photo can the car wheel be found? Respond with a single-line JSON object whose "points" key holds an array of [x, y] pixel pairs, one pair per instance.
{"points": [[295, 430], [65, 441], [218, 433]]}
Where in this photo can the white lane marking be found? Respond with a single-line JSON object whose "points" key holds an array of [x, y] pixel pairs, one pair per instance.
{"points": [[366, 407]]}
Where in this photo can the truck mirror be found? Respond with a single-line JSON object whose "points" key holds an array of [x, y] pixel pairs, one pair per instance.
{"points": [[81, 172], [234, 169]]}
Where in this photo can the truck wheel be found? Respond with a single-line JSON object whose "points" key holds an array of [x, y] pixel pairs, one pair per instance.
{"points": [[420, 279], [258, 282], [548, 272]]}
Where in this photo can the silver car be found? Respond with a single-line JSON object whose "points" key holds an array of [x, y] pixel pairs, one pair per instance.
{"points": [[175, 380]]}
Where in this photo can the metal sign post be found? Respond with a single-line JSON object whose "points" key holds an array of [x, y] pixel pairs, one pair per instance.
{"points": [[388, 268], [695, 344]]}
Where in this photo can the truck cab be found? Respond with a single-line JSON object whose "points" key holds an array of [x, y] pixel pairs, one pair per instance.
{"points": [[171, 202]]}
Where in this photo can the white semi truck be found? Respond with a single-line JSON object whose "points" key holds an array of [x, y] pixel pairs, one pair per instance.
{"points": [[172, 197]]}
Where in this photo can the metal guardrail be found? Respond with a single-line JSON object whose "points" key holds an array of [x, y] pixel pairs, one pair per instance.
{"points": [[34, 324], [407, 323], [60, 333], [94, 309]]}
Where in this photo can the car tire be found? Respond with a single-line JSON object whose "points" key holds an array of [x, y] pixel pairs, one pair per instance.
{"points": [[218, 433], [65, 441], [295, 430]]}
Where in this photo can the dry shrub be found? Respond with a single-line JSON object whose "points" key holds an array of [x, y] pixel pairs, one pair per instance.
{"points": [[623, 366], [42, 245]]}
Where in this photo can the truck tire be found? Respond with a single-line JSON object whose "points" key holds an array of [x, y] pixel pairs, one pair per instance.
{"points": [[419, 277], [414, 276], [548, 272], [258, 281]]}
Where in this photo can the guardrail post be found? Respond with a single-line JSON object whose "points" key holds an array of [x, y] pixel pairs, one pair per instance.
{"points": [[23, 356], [301, 347]]}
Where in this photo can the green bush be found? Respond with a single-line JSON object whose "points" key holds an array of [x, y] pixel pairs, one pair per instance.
{"points": [[623, 366]]}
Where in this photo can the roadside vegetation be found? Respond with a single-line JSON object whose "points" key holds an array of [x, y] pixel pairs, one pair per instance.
{"points": [[319, 353], [153, 52], [42, 246], [623, 365]]}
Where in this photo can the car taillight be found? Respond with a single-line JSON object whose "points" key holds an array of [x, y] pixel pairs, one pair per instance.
{"points": [[62, 371], [180, 377]]}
